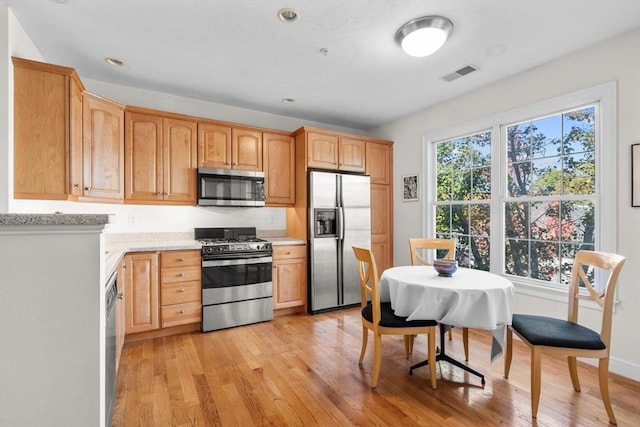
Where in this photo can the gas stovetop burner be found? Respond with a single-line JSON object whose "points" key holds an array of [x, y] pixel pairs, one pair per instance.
{"points": [[231, 242]]}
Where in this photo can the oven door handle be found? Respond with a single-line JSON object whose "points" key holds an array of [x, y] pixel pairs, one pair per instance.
{"points": [[243, 261]]}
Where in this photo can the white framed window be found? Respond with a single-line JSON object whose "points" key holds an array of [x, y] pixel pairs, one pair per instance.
{"points": [[522, 191]]}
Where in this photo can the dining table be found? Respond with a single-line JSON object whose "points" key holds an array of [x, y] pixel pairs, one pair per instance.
{"points": [[468, 298]]}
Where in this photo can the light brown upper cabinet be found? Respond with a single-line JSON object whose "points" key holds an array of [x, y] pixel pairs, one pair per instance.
{"points": [[160, 159], [279, 169], [47, 128], [227, 147], [334, 151], [103, 148]]}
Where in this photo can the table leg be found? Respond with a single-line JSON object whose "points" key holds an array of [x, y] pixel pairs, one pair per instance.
{"points": [[444, 357]]}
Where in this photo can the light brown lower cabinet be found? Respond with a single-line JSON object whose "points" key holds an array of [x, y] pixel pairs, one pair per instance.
{"points": [[121, 319], [162, 289], [289, 276]]}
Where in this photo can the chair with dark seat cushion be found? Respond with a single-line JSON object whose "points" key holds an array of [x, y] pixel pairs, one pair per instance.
{"points": [[567, 337], [380, 319]]}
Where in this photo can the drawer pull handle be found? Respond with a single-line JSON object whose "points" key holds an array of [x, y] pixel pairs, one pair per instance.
{"points": [[180, 274], [181, 312], [180, 259], [289, 253], [181, 290]]}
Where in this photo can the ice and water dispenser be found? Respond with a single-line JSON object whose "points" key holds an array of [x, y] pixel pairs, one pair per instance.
{"points": [[325, 222]]}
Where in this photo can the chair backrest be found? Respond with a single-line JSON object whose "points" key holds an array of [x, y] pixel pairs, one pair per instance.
{"points": [[444, 244], [368, 280], [583, 273]]}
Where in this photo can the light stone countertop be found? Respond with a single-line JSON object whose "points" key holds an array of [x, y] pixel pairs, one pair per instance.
{"points": [[285, 241], [53, 219]]}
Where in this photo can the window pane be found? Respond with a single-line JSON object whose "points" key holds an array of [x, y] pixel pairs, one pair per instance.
{"points": [[579, 130], [462, 251], [547, 137], [460, 219], [480, 219], [517, 257], [481, 146], [461, 154], [579, 173], [517, 220], [545, 221], [443, 219], [547, 176], [444, 186], [519, 179], [480, 253], [578, 223], [545, 263], [461, 185], [482, 183], [518, 142]]}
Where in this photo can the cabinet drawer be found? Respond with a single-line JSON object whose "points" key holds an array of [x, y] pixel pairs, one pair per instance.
{"points": [[180, 292], [181, 314], [170, 259], [185, 274], [289, 251]]}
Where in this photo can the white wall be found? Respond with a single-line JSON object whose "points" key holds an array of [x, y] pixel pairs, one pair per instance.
{"points": [[613, 60], [132, 218]]}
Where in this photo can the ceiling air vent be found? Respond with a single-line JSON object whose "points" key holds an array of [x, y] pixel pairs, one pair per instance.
{"points": [[459, 73]]}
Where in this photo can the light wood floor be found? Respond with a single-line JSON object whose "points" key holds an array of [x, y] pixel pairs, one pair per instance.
{"points": [[303, 370]]}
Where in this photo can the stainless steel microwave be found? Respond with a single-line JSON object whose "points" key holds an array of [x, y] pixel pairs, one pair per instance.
{"points": [[230, 187]]}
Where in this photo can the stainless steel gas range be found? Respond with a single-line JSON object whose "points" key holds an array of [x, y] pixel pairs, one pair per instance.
{"points": [[236, 277]]}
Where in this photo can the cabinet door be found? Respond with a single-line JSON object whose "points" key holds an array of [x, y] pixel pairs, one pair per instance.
{"points": [[142, 292], [41, 137], [379, 162], [322, 150], [279, 169], [352, 154], [289, 283], [381, 225], [143, 157], [103, 149], [246, 152], [179, 160], [214, 146]]}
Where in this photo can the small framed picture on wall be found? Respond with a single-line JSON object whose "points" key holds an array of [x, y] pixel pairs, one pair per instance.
{"points": [[635, 175], [410, 188]]}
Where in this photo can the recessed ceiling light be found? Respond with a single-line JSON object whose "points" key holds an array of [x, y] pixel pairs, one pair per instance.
{"points": [[113, 61], [288, 15], [288, 100]]}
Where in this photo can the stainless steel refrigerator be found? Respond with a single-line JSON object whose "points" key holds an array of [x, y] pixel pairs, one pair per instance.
{"points": [[339, 217]]}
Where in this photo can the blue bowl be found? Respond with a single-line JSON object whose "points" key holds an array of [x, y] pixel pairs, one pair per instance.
{"points": [[445, 267]]}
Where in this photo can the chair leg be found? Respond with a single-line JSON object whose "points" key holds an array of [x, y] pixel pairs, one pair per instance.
{"points": [[431, 357], [450, 334], [536, 374], [573, 371], [603, 375], [365, 337], [377, 357], [508, 353], [465, 342], [408, 344]]}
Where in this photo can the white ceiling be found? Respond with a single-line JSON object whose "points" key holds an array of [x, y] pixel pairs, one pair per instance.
{"points": [[237, 52]]}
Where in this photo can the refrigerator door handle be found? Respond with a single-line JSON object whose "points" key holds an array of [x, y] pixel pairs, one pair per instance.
{"points": [[340, 225]]}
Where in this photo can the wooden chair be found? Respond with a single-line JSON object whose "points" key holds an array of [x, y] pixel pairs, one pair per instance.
{"points": [[380, 319], [567, 337], [449, 245]]}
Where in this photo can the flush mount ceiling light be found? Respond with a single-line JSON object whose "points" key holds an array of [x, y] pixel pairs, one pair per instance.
{"points": [[423, 36], [288, 15]]}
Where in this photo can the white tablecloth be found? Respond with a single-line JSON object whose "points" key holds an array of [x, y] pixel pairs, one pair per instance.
{"points": [[470, 298]]}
